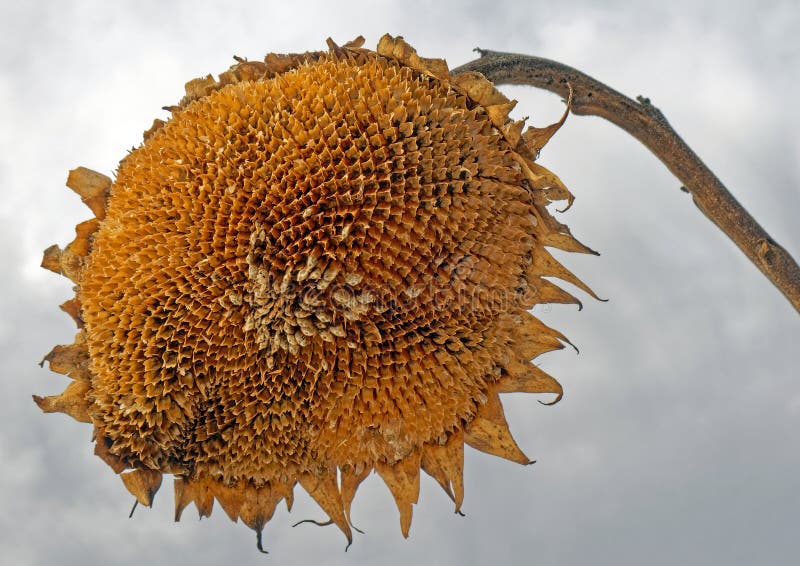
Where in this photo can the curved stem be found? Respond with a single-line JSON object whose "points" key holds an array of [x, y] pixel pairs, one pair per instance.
{"points": [[647, 124]]}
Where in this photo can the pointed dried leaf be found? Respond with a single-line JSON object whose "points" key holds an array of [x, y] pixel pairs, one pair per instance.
{"points": [[355, 43], [73, 308], [537, 138], [553, 189], [544, 292], [525, 377], [513, 132], [536, 338], [83, 233], [102, 450], [199, 491], [324, 489], [558, 235], [93, 188], [432, 466], [72, 266], [143, 484], [498, 113], [488, 432], [445, 464], [479, 89], [72, 402], [397, 48], [258, 506], [350, 480], [230, 498], [544, 264], [71, 360], [199, 87], [51, 259], [402, 479]]}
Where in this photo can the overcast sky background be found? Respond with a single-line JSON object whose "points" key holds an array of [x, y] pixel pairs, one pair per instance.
{"points": [[677, 440]]}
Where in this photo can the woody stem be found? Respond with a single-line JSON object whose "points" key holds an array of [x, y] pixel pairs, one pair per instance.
{"points": [[647, 124]]}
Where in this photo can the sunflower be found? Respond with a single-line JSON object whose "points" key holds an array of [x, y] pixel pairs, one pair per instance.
{"points": [[322, 265]]}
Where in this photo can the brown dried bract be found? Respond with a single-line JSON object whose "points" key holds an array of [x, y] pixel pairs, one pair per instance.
{"points": [[321, 265]]}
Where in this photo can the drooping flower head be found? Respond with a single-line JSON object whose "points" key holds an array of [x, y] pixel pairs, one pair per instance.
{"points": [[321, 265]]}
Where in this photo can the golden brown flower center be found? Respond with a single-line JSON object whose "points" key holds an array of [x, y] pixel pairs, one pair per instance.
{"points": [[304, 268]]}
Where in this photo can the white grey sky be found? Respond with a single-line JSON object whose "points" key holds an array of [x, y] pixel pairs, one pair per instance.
{"points": [[677, 440]]}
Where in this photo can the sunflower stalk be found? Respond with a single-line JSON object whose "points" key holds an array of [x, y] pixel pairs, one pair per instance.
{"points": [[646, 123]]}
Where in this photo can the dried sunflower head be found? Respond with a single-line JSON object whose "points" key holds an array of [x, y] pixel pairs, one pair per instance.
{"points": [[321, 265]]}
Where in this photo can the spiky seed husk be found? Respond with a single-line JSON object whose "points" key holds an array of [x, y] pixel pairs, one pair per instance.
{"points": [[321, 265]]}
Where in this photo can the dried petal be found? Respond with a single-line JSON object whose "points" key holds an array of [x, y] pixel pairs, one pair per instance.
{"points": [[143, 484], [488, 432], [402, 479]]}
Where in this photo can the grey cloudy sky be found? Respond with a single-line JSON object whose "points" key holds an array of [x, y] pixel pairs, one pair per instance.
{"points": [[677, 440]]}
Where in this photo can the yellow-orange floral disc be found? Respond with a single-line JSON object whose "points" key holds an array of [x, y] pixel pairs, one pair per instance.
{"points": [[321, 265]]}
